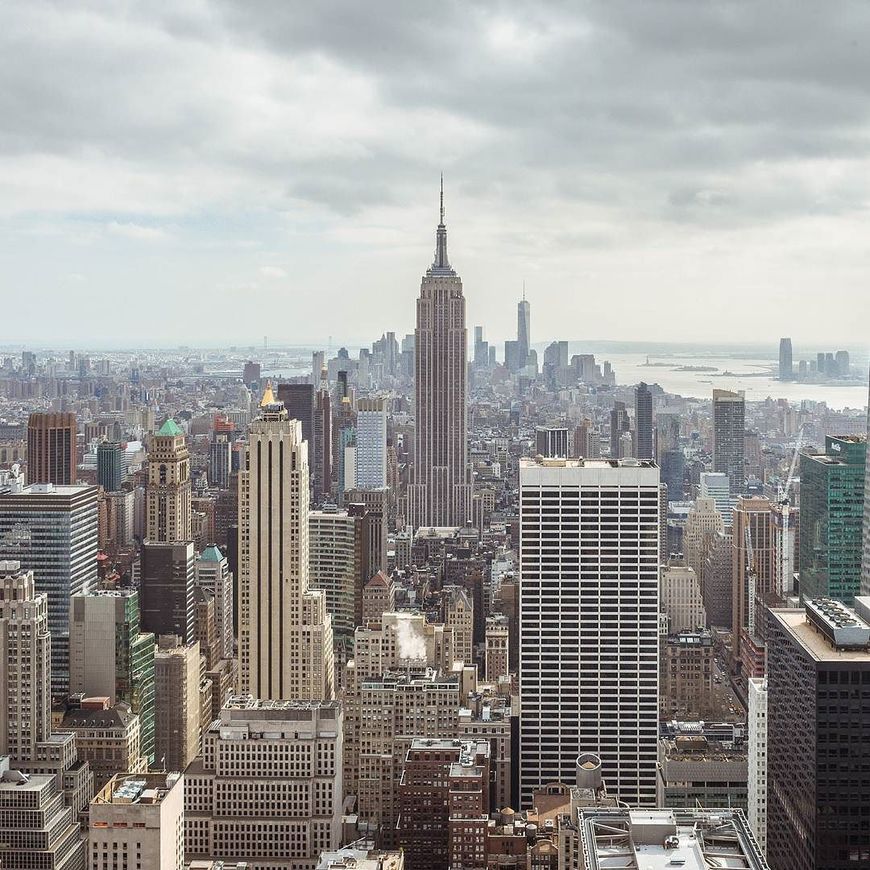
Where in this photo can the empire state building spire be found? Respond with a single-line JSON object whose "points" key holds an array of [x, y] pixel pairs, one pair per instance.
{"points": [[440, 494], [441, 265]]}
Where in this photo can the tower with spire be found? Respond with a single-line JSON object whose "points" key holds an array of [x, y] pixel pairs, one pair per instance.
{"points": [[440, 494]]}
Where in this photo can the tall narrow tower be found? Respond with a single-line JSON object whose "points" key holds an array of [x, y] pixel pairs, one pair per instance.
{"points": [[524, 329], [25, 663], [729, 412], [285, 633], [441, 492], [167, 499]]}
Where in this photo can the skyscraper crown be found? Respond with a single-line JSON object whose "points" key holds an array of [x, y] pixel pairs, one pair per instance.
{"points": [[441, 265]]}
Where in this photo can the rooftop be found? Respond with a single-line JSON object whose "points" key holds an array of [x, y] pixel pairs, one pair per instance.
{"points": [[211, 554], [666, 839], [816, 645], [171, 428], [544, 462], [137, 788]]}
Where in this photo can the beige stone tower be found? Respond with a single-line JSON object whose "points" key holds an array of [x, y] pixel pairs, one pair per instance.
{"points": [[167, 503], [441, 492], [285, 632]]}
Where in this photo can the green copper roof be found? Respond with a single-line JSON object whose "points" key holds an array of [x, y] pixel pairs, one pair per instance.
{"points": [[211, 554], [170, 427]]}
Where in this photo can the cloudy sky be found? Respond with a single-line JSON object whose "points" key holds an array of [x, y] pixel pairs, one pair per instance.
{"points": [[214, 171]]}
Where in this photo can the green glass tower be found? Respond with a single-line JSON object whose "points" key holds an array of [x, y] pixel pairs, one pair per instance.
{"points": [[110, 656], [832, 511]]}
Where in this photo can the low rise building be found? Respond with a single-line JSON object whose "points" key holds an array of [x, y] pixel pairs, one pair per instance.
{"points": [[687, 665], [108, 738], [695, 770]]}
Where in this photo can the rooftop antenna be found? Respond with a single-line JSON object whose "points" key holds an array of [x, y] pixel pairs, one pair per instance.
{"points": [[524, 289], [442, 197]]}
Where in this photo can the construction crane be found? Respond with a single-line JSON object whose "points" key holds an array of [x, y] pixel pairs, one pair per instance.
{"points": [[751, 574], [785, 508]]}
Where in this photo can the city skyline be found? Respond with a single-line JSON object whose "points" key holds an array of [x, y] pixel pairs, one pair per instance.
{"points": [[301, 185]]}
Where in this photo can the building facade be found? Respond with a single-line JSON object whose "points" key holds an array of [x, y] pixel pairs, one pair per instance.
{"points": [[757, 757], [285, 631], [589, 625], [167, 580], [52, 530], [818, 689], [111, 657], [177, 709], [643, 422], [137, 820], [25, 663], [51, 449], [167, 495], [729, 425], [371, 443], [832, 517], [267, 788], [441, 492]]}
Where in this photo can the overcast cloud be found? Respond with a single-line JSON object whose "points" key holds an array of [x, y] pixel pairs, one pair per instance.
{"points": [[207, 172]]}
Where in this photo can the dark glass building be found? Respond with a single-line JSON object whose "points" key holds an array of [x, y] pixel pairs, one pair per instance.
{"points": [[818, 737], [166, 589], [832, 517], [643, 422], [110, 466]]}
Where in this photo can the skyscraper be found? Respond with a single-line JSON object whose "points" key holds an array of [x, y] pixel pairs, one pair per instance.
{"points": [[371, 444], [212, 572], [753, 520], [322, 440], [52, 530], [110, 657], [166, 589], [619, 425], [818, 684], [220, 463], [298, 399], [832, 515], [285, 632], [177, 708], [729, 412], [786, 367], [25, 664], [589, 645], [524, 331], [643, 422], [757, 758], [551, 442], [110, 466], [441, 492], [51, 448], [167, 497]]}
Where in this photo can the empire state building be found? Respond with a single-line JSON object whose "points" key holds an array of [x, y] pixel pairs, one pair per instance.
{"points": [[441, 492]]}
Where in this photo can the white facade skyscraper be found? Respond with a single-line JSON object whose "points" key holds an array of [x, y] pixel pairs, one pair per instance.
{"points": [[589, 602], [757, 772], [441, 492], [371, 444], [285, 632]]}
